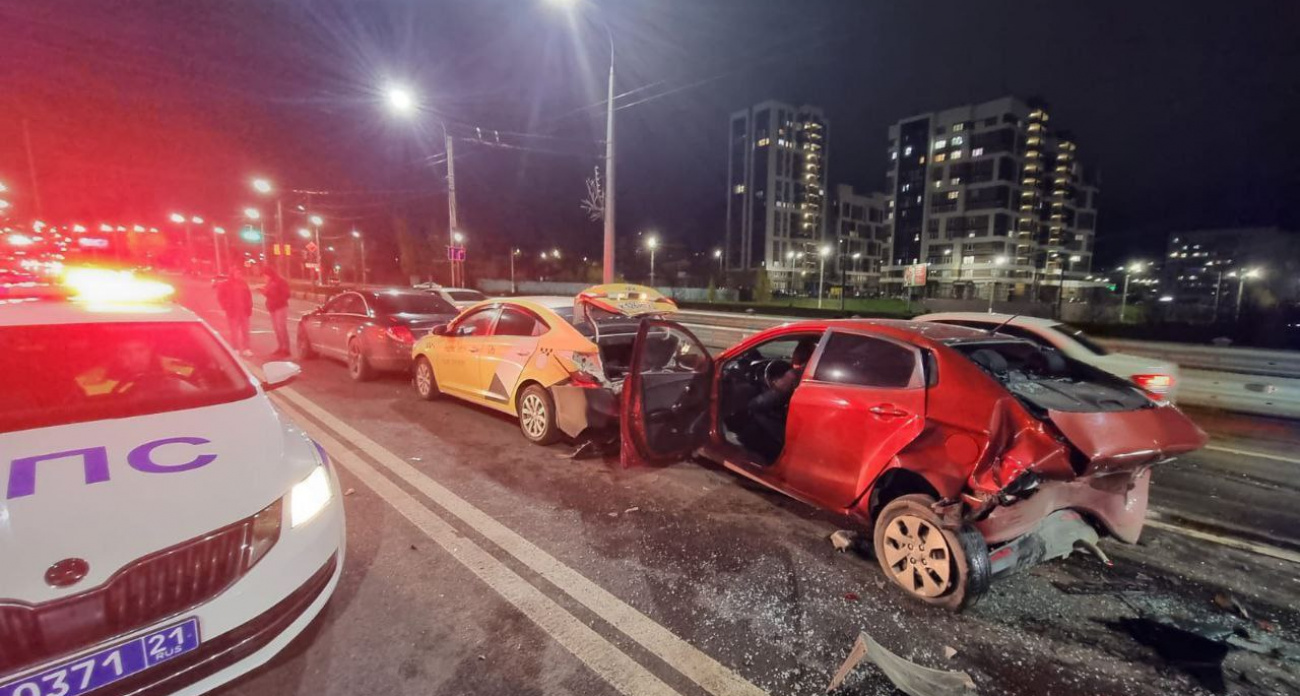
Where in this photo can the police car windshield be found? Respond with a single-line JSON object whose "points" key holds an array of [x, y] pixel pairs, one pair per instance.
{"points": [[72, 373]]}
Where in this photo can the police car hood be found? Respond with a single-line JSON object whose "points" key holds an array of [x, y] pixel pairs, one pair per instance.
{"points": [[112, 491]]}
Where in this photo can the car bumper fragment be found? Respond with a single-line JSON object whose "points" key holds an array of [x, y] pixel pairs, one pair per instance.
{"points": [[1055, 537], [1118, 502], [579, 409]]}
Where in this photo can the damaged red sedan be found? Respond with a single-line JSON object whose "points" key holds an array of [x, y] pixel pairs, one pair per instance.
{"points": [[965, 453]]}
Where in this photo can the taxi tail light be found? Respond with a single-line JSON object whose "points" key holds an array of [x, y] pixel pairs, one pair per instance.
{"points": [[1156, 384], [264, 532], [586, 380], [400, 333]]}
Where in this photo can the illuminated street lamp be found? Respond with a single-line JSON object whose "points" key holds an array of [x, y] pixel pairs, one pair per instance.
{"points": [[998, 261], [1129, 270], [652, 243], [717, 254], [822, 253], [1241, 286], [400, 100], [608, 213], [513, 253], [264, 187], [217, 234], [304, 233], [1060, 289], [361, 244], [316, 222], [180, 219]]}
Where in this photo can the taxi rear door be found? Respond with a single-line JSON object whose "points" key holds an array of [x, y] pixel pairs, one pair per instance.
{"points": [[667, 395], [456, 361]]}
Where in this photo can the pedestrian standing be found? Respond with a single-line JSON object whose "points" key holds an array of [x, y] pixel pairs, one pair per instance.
{"points": [[276, 291], [236, 300]]}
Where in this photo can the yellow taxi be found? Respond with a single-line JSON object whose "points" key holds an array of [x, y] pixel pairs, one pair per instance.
{"points": [[556, 363]]}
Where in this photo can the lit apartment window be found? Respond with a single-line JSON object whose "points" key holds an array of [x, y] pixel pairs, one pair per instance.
{"points": [[764, 142], [940, 144], [907, 151], [958, 127], [952, 195], [955, 180], [977, 152], [940, 157], [893, 155], [907, 187], [958, 140], [939, 184], [956, 154], [740, 188]]}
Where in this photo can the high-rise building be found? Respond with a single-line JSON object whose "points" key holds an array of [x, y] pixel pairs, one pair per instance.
{"points": [[992, 199], [861, 236], [776, 191]]}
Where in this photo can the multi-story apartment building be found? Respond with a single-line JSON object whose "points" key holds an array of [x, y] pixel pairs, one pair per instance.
{"points": [[1205, 270], [860, 237], [776, 191], [993, 199]]}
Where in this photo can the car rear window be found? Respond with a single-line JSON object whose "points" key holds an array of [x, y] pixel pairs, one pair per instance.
{"points": [[413, 303], [865, 361], [72, 373]]}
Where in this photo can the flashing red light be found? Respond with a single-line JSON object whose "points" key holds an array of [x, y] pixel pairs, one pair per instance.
{"points": [[103, 285]]}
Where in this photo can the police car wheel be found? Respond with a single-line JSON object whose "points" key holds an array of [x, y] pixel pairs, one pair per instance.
{"points": [[358, 367], [537, 416], [426, 384], [305, 351]]}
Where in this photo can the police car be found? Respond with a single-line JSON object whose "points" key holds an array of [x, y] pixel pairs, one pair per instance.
{"points": [[162, 528]]}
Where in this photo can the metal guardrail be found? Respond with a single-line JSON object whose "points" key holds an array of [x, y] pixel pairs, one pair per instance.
{"points": [[1244, 380]]}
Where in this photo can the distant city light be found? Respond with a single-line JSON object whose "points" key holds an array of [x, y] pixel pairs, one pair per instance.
{"points": [[262, 185], [252, 213], [218, 230], [316, 220], [400, 100], [304, 233], [177, 218], [356, 234], [196, 220]]}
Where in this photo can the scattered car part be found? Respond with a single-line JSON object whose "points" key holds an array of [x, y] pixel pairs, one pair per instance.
{"points": [[843, 539], [909, 677]]}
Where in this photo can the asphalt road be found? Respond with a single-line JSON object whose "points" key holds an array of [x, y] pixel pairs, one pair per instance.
{"points": [[478, 563]]}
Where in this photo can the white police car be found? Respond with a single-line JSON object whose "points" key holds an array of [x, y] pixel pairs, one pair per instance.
{"points": [[162, 528]]}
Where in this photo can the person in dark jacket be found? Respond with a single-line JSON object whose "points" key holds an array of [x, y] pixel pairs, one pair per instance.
{"points": [[236, 300], [276, 291]]}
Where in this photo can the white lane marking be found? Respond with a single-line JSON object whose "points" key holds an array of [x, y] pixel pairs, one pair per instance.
{"points": [[593, 650], [1248, 453], [710, 674], [1239, 544]]}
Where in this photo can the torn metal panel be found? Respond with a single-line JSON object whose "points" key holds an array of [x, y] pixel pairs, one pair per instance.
{"points": [[909, 677], [1118, 502], [1122, 440], [1054, 537]]}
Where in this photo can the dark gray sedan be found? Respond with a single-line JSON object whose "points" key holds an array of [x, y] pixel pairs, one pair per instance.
{"points": [[372, 330]]}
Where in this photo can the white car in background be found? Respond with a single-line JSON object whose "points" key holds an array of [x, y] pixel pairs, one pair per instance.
{"points": [[1157, 377], [163, 529], [460, 298]]}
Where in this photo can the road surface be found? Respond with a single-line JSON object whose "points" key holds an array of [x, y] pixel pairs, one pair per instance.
{"points": [[480, 564]]}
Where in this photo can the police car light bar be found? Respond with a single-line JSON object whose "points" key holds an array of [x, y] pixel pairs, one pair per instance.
{"points": [[103, 285]]}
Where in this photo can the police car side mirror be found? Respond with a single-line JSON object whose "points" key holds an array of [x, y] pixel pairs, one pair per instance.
{"points": [[279, 374]]}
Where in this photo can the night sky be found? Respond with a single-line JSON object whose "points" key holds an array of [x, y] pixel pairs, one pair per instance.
{"points": [[138, 108]]}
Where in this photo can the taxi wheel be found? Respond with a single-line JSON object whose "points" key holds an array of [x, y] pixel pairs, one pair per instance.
{"points": [[426, 385], [941, 567], [358, 367], [537, 416], [305, 351]]}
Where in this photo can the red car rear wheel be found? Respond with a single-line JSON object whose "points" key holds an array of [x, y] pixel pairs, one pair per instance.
{"points": [[941, 567]]}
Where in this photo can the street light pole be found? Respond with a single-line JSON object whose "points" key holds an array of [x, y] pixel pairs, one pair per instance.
{"points": [[608, 270], [452, 224], [217, 233], [361, 244], [1060, 288], [993, 276], [652, 242], [513, 254], [316, 222], [822, 253]]}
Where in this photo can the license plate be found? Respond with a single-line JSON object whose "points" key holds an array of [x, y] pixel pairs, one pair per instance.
{"points": [[89, 672]]}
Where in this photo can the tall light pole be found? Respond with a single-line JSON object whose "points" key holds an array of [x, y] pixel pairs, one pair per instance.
{"points": [[316, 221], [717, 254], [185, 220], [217, 234], [513, 253], [361, 244], [608, 260], [1129, 270], [821, 273], [264, 187], [1060, 288], [1241, 287], [653, 243], [998, 262]]}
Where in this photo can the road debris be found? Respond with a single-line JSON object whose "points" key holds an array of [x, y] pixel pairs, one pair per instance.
{"points": [[949, 652], [632, 509], [1227, 602], [843, 539], [909, 677], [349, 491], [1199, 653], [852, 596]]}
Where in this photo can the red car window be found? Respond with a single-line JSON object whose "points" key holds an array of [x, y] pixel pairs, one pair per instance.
{"points": [[865, 361]]}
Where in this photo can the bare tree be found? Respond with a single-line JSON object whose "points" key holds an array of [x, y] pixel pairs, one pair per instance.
{"points": [[594, 203]]}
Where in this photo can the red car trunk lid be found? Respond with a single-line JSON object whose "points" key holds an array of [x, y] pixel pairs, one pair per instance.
{"points": [[1124, 440]]}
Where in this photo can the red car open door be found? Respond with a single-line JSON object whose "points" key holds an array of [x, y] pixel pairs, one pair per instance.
{"points": [[667, 395]]}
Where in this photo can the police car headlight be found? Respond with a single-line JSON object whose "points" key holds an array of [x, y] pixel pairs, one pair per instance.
{"points": [[309, 496]]}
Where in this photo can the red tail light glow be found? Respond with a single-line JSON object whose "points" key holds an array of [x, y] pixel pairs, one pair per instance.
{"points": [[584, 380], [401, 334], [1156, 384]]}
